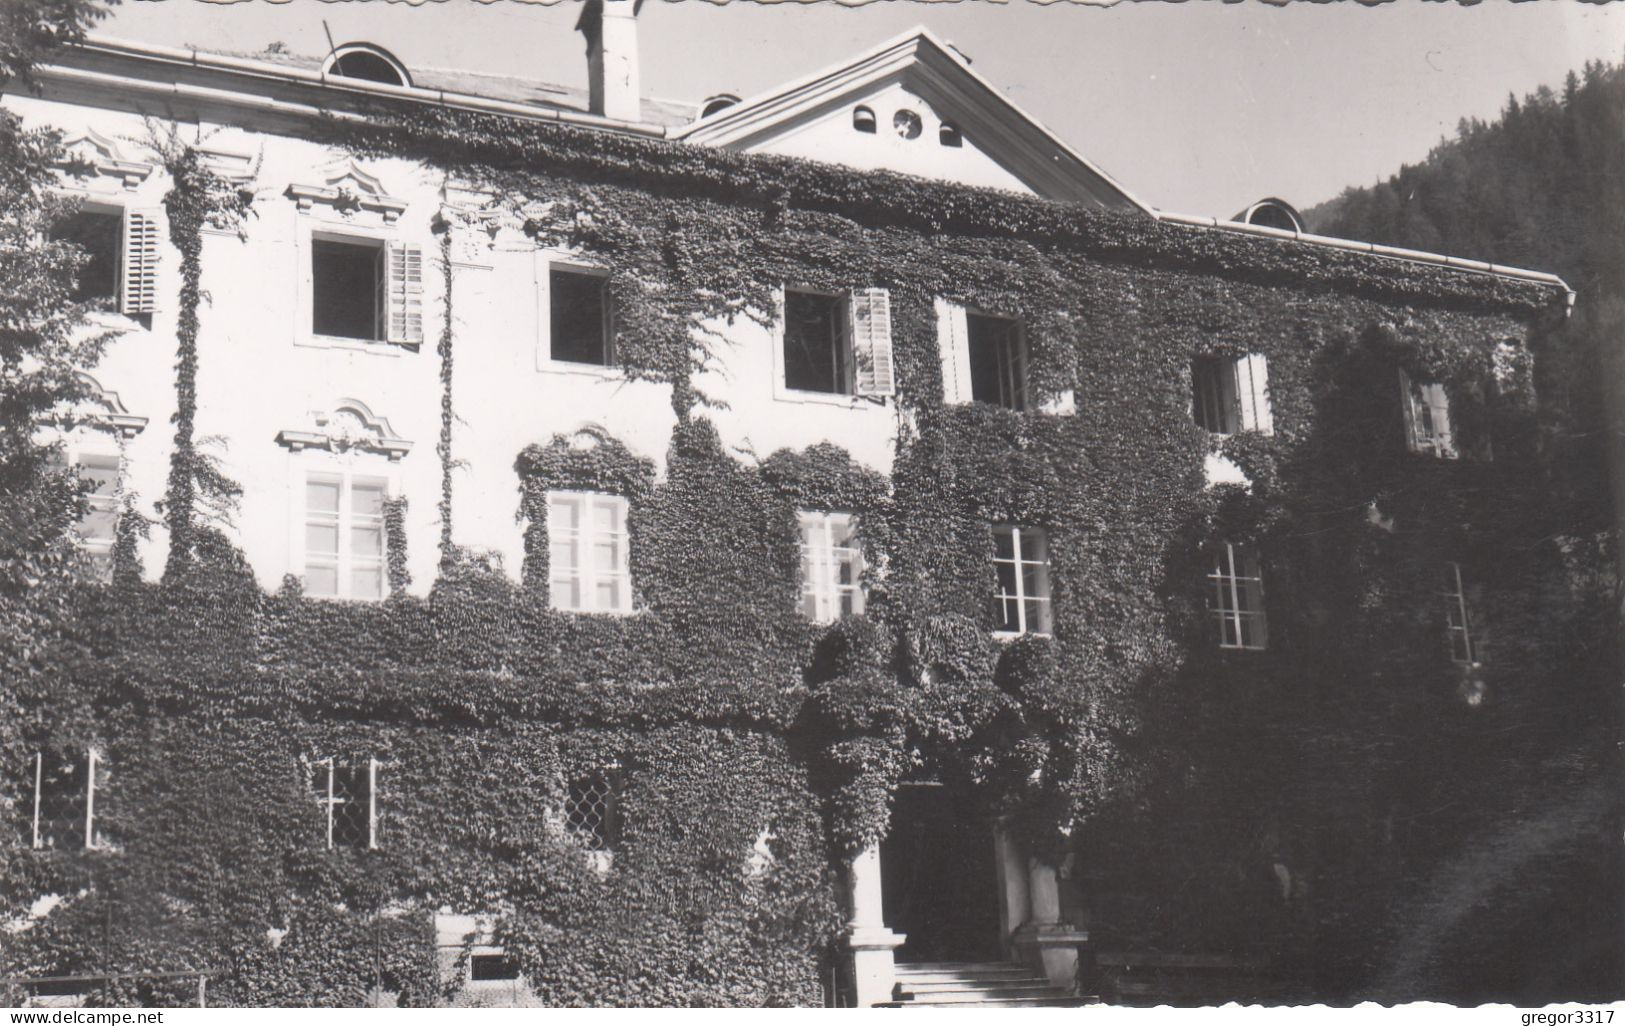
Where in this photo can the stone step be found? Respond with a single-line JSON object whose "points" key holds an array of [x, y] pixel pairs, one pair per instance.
{"points": [[931, 967], [968, 976], [951, 986], [1031, 1002], [972, 997]]}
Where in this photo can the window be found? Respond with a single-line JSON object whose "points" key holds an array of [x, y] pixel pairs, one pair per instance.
{"points": [[587, 552], [369, 63], [863, 120], [838, 344], [1457, 628], [949, 135], [998, 361], [1427, 417], [1232, 394], [831, 567], [492, 968], [122, 250], [1021, 559], [96, 529], [344, 536], [1237, 598], [58, 810], [366, 289], [101, 235], [592, 809], [347, 793], [582, 328]]}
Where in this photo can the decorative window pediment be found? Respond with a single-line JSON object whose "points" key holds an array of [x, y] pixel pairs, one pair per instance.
{"points": [[100, 409], [348, 188], [93, 154], [348, 427]]}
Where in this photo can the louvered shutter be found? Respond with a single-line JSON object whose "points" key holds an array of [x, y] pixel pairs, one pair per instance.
{"points": [[871, 342], [403, 293], [138, 273], [1253, 374], [953, 344]]}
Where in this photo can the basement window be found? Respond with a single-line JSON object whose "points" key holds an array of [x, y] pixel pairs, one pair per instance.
{"points": [[998, 361], [581, 328], [492, 968]]}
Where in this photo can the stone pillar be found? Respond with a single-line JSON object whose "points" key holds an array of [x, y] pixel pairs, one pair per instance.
{"points": [[872, 944], [1044, 941], [1014, 904]]}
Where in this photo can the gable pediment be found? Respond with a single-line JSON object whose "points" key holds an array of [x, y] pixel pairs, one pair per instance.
{"points": [[887, 110]]}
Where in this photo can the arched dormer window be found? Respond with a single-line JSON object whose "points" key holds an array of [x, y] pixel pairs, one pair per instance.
{"points": [[367, 62], [948, 135], [863, 120], [718, 103], [1272, 213]]}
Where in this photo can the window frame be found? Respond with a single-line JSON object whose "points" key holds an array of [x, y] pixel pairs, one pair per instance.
{"points": [[821, 562], [1228, 583], [89, 840], [86, 442], [545, 265], [1046, 600], [309, 465], [1456, 609], [378, 247], [845, 357], [588, 576], [1424, 402], [1238, 400], [329, 803], [1014, 359]]}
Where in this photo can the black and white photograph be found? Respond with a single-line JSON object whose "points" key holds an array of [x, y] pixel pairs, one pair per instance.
{"points": [[967, 506]]}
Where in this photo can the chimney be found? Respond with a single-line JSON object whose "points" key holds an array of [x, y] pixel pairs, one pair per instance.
{"points": [[611, 29]]}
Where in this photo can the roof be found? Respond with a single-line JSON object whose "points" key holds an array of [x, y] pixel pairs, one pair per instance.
{"points": [[943, 76]]}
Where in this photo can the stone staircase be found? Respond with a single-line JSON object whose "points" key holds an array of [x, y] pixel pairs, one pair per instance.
{"points": [[976, 985]]}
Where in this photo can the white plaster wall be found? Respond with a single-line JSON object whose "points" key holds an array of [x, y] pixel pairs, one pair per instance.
{"points": [[830, 137], [262, 372]]}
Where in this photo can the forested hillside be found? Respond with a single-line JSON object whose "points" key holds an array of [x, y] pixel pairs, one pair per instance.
{"points": [[1542, 187]]}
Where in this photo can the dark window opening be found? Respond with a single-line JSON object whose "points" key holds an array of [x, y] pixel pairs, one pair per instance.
{"points": [[948, 135], [100, 235], [998, 361], [492, 967], [369, 66], [863, 120], [344, 791], [345, 278], [582, 326], [815, 343], [1214, 399], [592, 810]]}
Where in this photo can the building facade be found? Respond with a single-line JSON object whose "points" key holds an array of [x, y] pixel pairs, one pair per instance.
{"points": [[669, 555]]}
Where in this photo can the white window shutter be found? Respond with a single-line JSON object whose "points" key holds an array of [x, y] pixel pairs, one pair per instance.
{"points": [[1064, 404], [138, 277], [372, 803], [1407, 406], [1444, 442], [1253, 372], [403, 293], [871, 342], [953, 344]]}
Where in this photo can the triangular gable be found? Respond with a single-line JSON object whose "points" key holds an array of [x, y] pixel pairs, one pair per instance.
{"points": [[999, 144]]}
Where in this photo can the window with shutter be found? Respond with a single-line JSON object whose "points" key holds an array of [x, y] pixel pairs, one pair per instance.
{"points": [[99, 233], [871, 342], [1231, 394], [1426, 409], [998, 361], [816, 343], [139, 274]]}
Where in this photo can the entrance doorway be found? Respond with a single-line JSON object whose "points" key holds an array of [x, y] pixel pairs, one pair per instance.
{"points": [[939, 885]]}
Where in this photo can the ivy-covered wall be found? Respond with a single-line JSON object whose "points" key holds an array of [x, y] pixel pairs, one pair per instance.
{"points": [[1171, 776]]}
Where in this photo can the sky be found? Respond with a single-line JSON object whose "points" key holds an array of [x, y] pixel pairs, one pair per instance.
{"points": [[1197, 107]]}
